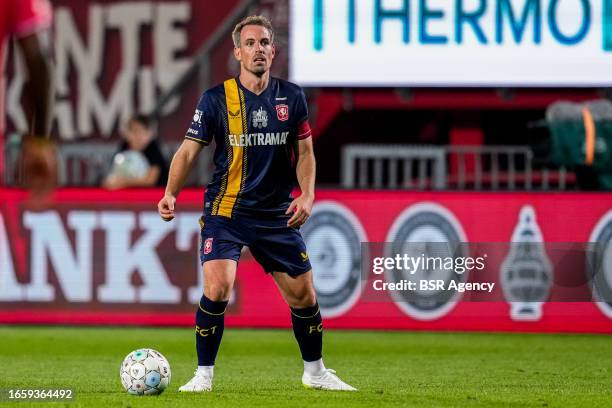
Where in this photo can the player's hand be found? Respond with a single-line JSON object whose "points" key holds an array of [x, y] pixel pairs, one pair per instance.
{"points": [[301, 208], [39, 161], [165, 207]]}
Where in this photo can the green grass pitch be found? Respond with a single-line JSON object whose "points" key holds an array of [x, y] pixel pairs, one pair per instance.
{"points": [[262, 368]]}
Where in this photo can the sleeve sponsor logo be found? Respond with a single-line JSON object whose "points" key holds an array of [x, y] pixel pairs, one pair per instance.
{"points": [[197, 116]]}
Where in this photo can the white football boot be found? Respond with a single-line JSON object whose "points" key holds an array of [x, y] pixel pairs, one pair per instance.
{"points": [[328, 380], [201, 382]]}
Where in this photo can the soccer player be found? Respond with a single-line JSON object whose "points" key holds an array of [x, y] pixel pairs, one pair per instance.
{"points": [[260, 126], [26, 20]]}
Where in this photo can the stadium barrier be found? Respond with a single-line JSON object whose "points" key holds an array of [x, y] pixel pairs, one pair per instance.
{"points": [[98, 257], [77, 167], [426, 167]]}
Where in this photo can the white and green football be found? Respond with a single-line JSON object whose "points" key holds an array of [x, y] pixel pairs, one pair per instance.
{"points": [[145, 372]]}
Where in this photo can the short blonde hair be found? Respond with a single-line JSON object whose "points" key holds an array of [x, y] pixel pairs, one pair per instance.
{"points": [[252, 20]]}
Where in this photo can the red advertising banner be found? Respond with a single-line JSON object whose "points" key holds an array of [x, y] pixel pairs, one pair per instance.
{"points": [[99, 257]]}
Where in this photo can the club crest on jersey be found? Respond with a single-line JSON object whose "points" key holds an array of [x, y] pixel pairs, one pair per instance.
{"points": [[282, 112], [208, 246], [260, 118]]}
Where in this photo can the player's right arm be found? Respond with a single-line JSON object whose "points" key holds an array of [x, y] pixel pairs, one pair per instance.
{"points": [[198, 135], [179, 169]]}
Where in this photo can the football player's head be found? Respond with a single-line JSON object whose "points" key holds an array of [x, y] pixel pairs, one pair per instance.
{"points": [[254, 44]]}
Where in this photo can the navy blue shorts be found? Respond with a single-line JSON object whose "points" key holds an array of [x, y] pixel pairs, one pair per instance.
{"points": [[274, 245]]}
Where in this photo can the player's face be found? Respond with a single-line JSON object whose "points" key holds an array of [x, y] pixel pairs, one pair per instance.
{"points": [[256, 51]]}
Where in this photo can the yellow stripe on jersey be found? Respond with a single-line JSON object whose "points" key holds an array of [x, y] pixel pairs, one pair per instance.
{"points": [[235, 118], [215, 209], [244, 126]]}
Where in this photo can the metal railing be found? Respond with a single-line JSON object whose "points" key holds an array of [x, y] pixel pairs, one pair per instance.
{"points": [[399, 167], [393, 166], [87, 164], [448, 168]]}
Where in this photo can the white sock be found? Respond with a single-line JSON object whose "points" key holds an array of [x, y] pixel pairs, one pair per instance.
{"points": [[314, 367], [206, 370]]}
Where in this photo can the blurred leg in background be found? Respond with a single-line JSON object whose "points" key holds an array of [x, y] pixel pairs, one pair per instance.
{"points": [[28, 23]]}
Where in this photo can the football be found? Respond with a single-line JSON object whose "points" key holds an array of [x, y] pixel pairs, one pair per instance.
{"points": [[145, 372]]}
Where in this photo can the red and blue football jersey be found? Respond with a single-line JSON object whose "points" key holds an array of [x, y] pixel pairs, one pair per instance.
{"points": [[256, 138]]}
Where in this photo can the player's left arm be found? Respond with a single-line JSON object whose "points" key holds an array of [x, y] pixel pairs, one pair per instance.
{"points": [[306, 174]]}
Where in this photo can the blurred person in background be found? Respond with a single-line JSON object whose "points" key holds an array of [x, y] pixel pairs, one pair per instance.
{"points": [[27, 21], [139, 161]]}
